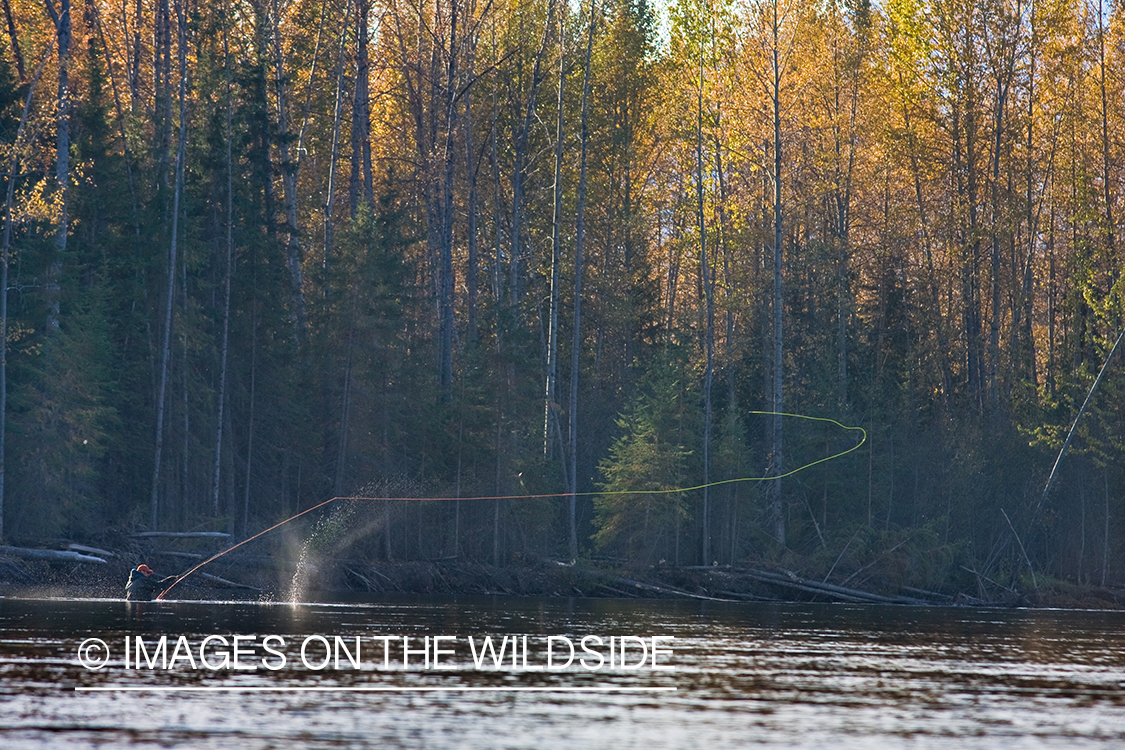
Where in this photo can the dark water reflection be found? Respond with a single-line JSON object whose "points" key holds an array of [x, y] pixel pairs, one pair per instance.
{"points": [[804, 676]]}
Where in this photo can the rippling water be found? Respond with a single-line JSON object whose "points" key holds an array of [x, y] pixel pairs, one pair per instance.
{"points": [[797, 676]]}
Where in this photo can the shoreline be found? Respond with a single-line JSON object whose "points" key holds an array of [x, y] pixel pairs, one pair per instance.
{"points": [[261, 577]]}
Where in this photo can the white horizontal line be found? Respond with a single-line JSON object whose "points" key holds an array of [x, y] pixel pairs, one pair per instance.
{"points": [[366, 689]]}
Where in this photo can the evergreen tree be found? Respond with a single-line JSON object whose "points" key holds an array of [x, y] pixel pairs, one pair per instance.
{"points": [[639, 515]]}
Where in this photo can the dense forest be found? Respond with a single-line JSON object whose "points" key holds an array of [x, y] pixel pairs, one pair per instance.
{"points": [[261, 253]]}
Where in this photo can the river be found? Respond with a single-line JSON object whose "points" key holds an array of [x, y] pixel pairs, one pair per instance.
{"points": [[684, 675]]}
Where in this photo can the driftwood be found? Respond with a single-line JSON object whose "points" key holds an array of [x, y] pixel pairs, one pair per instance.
{"points": [[50, 554], [929, 594], [180, 535], [662, 589], [802, 585], [91, 550], [793, 581], [742, 596], [170, 553]]}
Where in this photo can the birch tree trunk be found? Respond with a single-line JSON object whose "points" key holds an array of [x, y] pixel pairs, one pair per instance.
{"points": [[330, 199], [579, 247], [550, 405]]}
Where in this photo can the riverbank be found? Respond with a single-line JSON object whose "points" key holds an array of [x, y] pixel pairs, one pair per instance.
{"points": [[264, 577]]}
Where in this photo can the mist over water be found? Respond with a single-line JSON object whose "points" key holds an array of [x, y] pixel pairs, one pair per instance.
{"points": [[805, 676]]}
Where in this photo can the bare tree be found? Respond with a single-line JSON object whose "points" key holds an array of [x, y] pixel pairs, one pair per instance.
{"points": [[220, 423], [166, 350], [579, 247], [778, 63], [520, 147], [550, 405], [709, 334], [330, 198]]}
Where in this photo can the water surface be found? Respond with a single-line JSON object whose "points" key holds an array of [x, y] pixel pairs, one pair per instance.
{"points": [[795, 676]]}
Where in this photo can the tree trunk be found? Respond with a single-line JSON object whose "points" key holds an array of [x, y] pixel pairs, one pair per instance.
{"points": [[330, 199], [135, 67], [165, 350], [249, 423], [161, 87], [550, 406], [120, 112], [61, 19], [220, 422], [297, 314], [471, 167], [709, 342], [580, 242], [13, 36], [777, 517], [927, 244], [521, 156], [1004, 76], [1107, 194], [346, 402], [446, 242], [361, 114]]}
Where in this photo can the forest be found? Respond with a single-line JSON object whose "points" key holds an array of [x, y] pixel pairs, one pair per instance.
{"points": [[457, 254]]}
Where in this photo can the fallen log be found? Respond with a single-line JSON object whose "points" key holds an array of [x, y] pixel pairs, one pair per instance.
{"points": [[663, 589], [747, 597], [786, 583], [170, 553], [91, 550], [930, 594], [619, 592], [50, 554], [793, 580], [180, 535]]}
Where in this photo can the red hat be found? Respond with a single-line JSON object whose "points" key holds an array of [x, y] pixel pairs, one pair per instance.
{"points": [[145, 569]]}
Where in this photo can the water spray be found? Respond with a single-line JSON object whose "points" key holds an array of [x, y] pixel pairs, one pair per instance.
{"points": [[862, 440]]}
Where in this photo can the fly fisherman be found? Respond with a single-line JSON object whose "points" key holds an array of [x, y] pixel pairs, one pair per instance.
{"points": [[144, 586]]}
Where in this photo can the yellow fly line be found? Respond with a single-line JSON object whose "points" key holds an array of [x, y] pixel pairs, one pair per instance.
{"points": [[862, 440]]}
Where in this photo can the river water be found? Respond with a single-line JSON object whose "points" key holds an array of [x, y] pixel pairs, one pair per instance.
{"points": [[695, 675]]}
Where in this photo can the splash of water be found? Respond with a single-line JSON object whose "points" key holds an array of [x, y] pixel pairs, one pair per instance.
{"points": [[329, 534], [299, 584]]}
